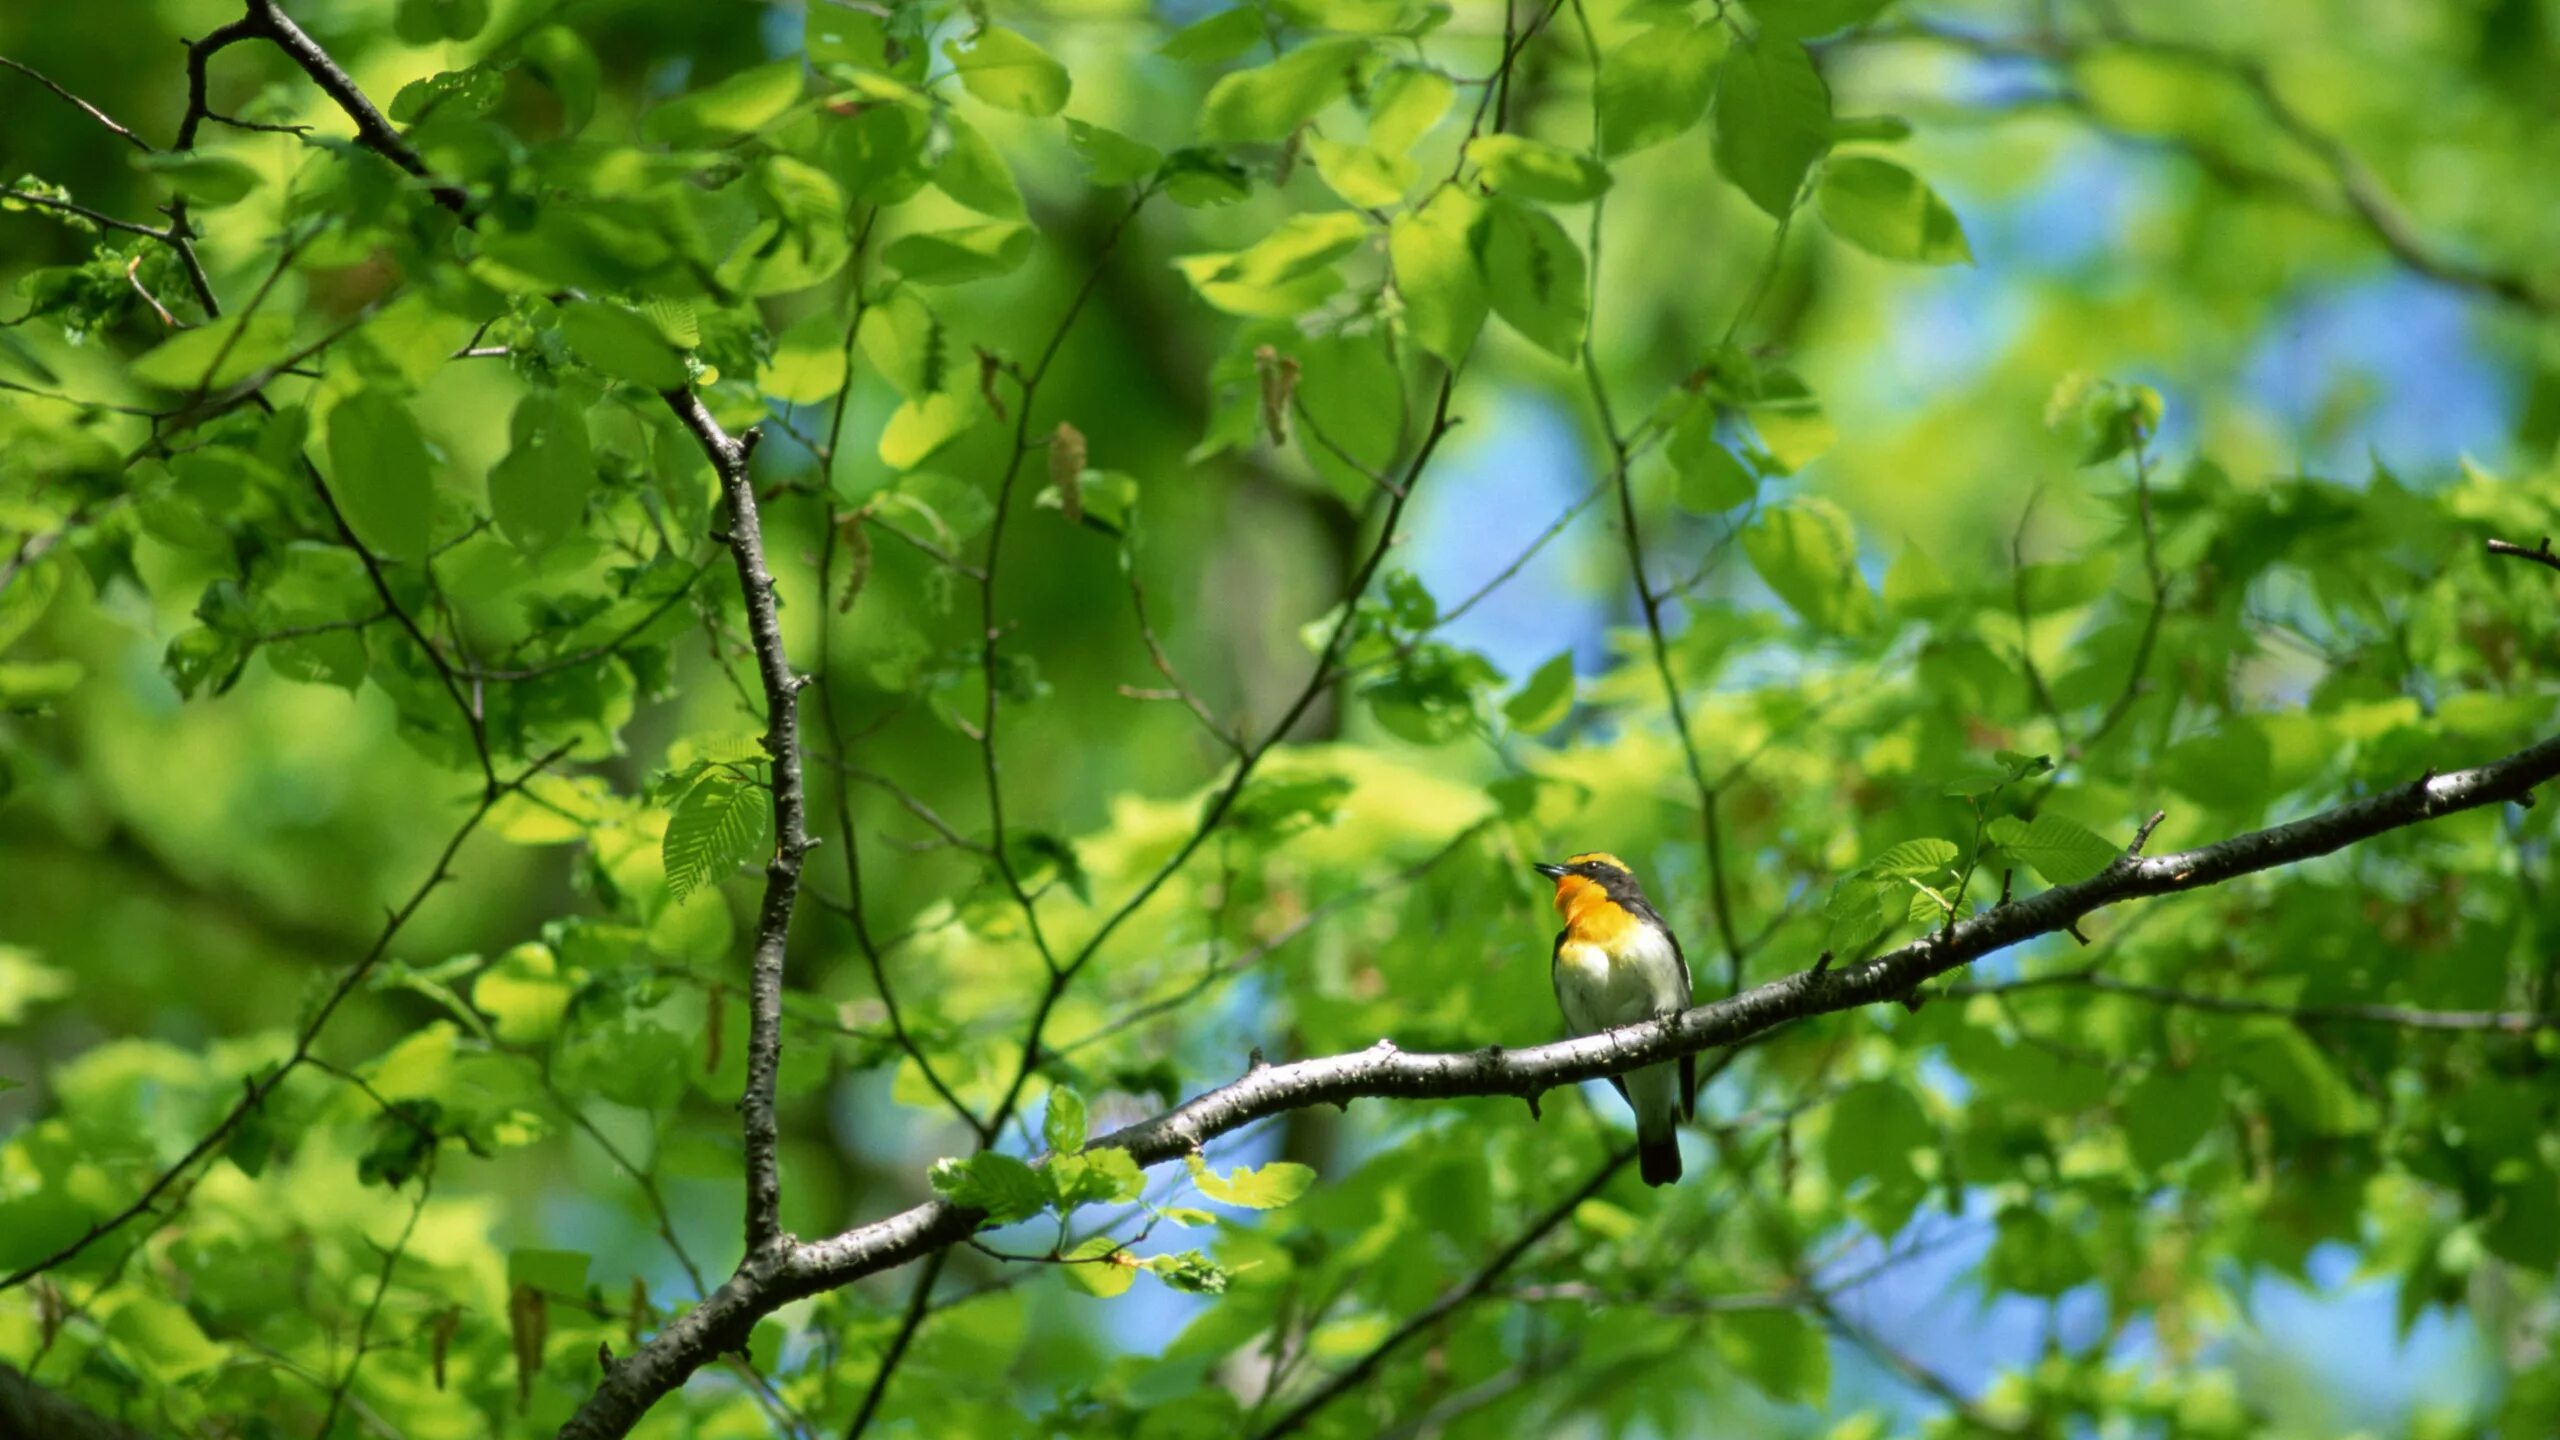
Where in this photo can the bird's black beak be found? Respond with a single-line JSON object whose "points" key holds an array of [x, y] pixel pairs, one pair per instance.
{"points": [[1550, 870]]}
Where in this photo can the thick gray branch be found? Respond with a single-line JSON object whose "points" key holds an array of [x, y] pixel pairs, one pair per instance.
{"points": [[1384, 1071]]}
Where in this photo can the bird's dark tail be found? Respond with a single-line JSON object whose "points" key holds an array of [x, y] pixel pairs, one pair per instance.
{"points": [[1658, 1156]]}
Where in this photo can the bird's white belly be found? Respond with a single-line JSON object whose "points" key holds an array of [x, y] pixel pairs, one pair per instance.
{"points": [[1601, 992]]}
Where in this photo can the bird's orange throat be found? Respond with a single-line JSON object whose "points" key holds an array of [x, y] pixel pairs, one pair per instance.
{"points": [[1589, 914]]}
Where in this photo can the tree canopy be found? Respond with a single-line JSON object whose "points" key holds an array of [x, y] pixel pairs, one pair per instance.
{"points": [[722, 720]]}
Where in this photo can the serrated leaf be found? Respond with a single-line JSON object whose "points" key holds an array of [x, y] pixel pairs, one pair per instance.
{"points": [[1104, 1175], [1063, 1126], [1267, 1188], [719, 824], [1100, 1267], [1915, 857], [1005, 1188], [2061, 850]]}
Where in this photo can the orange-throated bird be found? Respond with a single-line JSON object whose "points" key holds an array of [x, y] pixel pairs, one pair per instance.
{"points": [[1616, 963]]}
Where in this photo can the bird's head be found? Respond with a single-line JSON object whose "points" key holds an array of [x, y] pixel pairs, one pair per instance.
{"points": [[1582, 879]]}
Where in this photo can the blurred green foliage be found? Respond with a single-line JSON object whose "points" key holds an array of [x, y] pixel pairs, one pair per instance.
{"points": [[1097, 353]]}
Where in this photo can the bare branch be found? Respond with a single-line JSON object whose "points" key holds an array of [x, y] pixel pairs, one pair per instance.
{"points": [[790, 830], [92, 111], [769, 1282], [2540, 554]]}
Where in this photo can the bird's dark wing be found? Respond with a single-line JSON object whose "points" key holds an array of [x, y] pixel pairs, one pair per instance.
{"points": [[1688, 987]]}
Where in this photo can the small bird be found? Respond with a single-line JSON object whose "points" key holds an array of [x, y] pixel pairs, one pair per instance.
{"points": [[1617, 963]]}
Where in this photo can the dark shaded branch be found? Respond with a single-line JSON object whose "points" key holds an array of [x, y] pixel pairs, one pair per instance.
{"points": [[919, 1305], [92, 111], [268, 20], [2510, 1022], [2540, 554], [1353, 1375], [256, 1089], [791, 841], [29, 1410]]}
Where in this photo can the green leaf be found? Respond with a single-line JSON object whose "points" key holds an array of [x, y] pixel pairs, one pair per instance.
{"points": [[1773, 119], [1099, 1266], [524, 995], [1436, 275], [538, 492], [1111, 158], [1887, 211], [1268, 1188], [1854, 915], [958, 256], [2061, 850], [1545, 699], [1267, 102], [972, 173], [1875, 1129], [1189, 1272], [1404, 103], [808, 363], [1217, 38], [1105, 1175], [740, 105], [426, 22], [1805, 551], [1362, 174], [2284, 1064], [204, 178], [162, 1340], [216, 354], [722, 822], [1712, 481], [622, 344], [1063, 1126], [464, 94], [1533, 275], [1916, 858], [1779, 1351], [2168, 1112], [379, 474], [1365, 17], [904, 340], [1284, 274], [1535, 170], [1654, 86], [1003, 1187], [918, 429], [1806, 18], [1007, 71]]}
